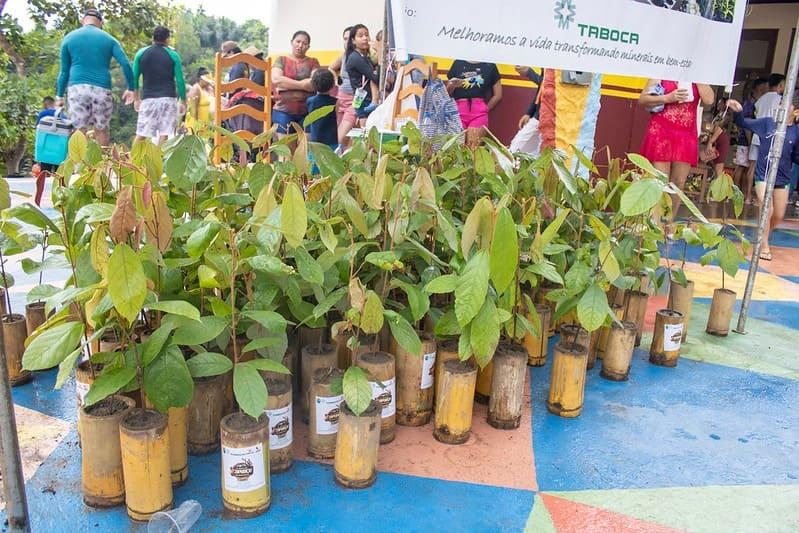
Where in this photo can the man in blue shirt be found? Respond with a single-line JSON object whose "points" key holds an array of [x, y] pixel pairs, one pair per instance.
{"points": [[86, 76], [765, 128]]}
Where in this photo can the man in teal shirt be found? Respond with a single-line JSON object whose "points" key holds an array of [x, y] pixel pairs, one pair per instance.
{"points": [[85, 75], [159, 67]]}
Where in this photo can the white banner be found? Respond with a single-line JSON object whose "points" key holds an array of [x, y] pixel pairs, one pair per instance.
{"points": [[626, 37]]}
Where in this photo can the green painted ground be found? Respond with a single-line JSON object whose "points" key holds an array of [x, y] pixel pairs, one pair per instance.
{"points": [[764, 349]]}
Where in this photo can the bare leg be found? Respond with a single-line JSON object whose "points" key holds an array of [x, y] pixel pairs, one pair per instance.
{"points": [[666, 169], [678, 176], [102, 137], [779, 206], [718, 169], [749, 182], [343, 129], [162, 139], [760, 190]]}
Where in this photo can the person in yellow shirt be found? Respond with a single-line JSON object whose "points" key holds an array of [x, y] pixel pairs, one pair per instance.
{"points": [[201, 101]]}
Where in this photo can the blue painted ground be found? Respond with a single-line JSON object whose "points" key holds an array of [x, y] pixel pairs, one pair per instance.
{"points": [[696, 425], [304, 499], [778, 312]]}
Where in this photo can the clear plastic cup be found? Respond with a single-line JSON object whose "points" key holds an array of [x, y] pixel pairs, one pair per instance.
{"points": [[177, 520]]}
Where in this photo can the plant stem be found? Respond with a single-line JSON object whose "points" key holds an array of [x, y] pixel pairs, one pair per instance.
{"points": [[5, 282], [44, 251]]}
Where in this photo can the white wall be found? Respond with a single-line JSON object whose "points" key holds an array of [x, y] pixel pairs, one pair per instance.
{"points": [[775, 16], [322, 19]]}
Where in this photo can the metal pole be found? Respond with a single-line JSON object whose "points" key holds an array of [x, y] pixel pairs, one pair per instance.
{"points": [[13, 480], [775, 154], [384, 59]]}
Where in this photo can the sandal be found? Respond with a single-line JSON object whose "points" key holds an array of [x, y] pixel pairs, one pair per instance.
{"points": [[766, 256]]}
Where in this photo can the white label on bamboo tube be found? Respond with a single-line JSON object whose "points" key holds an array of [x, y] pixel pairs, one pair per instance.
{"points": [[243, 469], [385, 393], [672, 337], [280, 427], [428, 370], [81, 389], [327, 413]]}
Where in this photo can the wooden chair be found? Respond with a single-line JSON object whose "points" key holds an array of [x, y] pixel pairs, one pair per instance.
{"points": [[411, 89], [221, 87]]}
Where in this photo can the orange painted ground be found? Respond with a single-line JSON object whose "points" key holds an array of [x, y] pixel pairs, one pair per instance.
{"points": [[572, 517], [490, 457], [785, 261]]}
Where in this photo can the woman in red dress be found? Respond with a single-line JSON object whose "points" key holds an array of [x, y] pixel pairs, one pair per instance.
{"points": [[671, 142]]}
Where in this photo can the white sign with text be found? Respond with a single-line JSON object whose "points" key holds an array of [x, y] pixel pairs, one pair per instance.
{"points": [[672, 40]]}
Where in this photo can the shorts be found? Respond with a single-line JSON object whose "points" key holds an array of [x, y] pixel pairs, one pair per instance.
{"points": [[284, 120], [723, 149], [754, 151], [742, 156], [473, 112], [344, 109], [90, 105], [157, 116]]}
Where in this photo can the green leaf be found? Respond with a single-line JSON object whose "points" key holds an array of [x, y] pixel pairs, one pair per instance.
{"points": [[384, 260], [308, 268], [196, 332], [209, 364], [546, 271], [207, 277], [77, 146], [372, 316], [610, 265], [5, 194], [270, 265], [153, 346], [52, 346], [484, 334], [442, 284], [127, 287], [600, 229], [293, 215], [250, 389], [66, 367], [357, 391], [478, 224], [472, 288], [176, 307], [418, 301], [328, 237], [593, 308], [30, 214], [504, 258], [566, 177], [330, 300], [641, 197], [275, 344], [326, 159], [201, 239], [271, 321], [465, 343], [552, 229], [167, 381], [483, 163], [644, 164], [267, 365], [678, 276], [403, 333], [188, 162], [728, 257], [97, 212], [317, 114], [108, 383]]}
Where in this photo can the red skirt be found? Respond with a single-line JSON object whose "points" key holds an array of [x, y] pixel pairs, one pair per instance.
{"points": [[666, 143]]}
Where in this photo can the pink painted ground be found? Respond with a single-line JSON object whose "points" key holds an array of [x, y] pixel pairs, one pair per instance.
{"points": [[490, 457], [572, 517]]}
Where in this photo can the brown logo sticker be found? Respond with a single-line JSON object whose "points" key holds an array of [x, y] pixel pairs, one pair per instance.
{"points": [[242, 470]]}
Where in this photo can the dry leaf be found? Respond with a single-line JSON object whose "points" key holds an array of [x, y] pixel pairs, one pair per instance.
{"points": [[123, 219]]}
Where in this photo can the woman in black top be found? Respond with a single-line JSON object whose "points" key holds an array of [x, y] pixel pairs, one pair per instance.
{"points": [[476, 88], [363, 73]]}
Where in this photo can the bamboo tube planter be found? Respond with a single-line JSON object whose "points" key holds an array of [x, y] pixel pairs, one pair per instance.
{"points": [[415, 380], [34, 316], [635, 312], [575, 334], [567, 383], [178, 426], [507, 387], [541, 298], [209, 404], [447, 351], [281, 425], [681, 299], [721, 309], [314, 357], [381, 370], [325, 413], [357, 446], [537, 346], [616, 296], [592, 349], [144, 443], [604, 331], [15, 332], [342, 351], [619, 352], [246, 488], [482, 389], [667, 338], [311, 336], [455, 402], [102, 482]]}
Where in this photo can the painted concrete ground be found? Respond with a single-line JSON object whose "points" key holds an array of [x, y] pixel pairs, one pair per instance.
{"points": [[712, 445]]}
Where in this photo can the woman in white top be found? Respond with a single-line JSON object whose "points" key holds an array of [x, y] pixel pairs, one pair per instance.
{"points": [[344, 110]]}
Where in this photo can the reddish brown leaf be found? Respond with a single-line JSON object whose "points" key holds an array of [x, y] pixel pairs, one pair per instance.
{"points": [[123, 219], [146, 194]]}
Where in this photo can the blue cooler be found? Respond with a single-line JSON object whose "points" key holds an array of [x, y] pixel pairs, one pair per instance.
{"points": [[52, 139]]}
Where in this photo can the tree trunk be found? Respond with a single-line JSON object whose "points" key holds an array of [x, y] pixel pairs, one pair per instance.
{"points": [[13, 158]]}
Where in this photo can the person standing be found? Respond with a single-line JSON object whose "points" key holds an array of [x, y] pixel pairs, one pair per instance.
{"points": [[85, 76], [41, 171], [528, 138], [364, 77], [476, 88], [671, 140], [292, 77], [766, 106], [163, 85], [324, 129], [344, 111], [744, 167], [201, 100]]}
